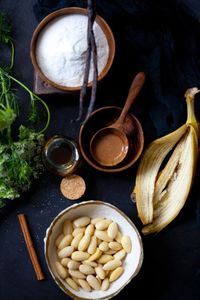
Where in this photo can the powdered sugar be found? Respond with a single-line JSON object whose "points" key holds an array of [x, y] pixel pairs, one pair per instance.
{"points": [[61, 50]]}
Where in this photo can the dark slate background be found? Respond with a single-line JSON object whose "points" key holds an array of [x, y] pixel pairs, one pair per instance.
{"points": [[163, 39]]}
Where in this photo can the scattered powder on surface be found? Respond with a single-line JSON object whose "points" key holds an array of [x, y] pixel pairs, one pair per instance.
{"points": [[72, 187], [61, 50]]}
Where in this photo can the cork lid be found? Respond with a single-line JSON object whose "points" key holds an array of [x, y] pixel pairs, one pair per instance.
{"points": [[73, 187]]}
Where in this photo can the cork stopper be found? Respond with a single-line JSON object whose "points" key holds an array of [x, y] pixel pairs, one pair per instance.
{"points": [[73, 187]]}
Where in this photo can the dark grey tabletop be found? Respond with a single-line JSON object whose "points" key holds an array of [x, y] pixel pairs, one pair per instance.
{"points": [[171, 268]]}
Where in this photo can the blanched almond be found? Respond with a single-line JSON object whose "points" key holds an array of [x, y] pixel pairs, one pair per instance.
{"points": [[86, 269], [90, 263], [95, 220], [89, 229], [59, 239], [105, 258], [99, 280], [76, 240], [93, 245], [113, 264], [102, 235], [80, 255], [81, 222], [67, 227], [105, 284], [66, 241], [96, 255], [116, 274], [83, 283], [66, 252], [76, 274], [62, 272], [115, 246], [100, 272], [84, 242], [73, 265], [72, 284], [103, 246], [112, 230], [93, 282], [118, 237], [78, 230], [103, 224], [76, 280], [64, 261], [126, 243], [110, 252], [120, 254]]}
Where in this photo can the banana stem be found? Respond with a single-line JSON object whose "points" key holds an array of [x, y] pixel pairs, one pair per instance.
{"points": [[191, 118]]}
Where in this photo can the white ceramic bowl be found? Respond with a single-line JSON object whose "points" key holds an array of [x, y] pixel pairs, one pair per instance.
{"points": [[132, 263]]}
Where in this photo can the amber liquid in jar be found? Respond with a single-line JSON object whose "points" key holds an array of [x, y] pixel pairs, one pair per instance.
{"points": [[61, 155]]}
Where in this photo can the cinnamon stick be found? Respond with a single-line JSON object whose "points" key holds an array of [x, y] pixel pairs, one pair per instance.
{"points": [[30, 247]]}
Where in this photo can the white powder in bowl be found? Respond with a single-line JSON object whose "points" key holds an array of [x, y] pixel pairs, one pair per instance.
{"points": [[61, 50]]}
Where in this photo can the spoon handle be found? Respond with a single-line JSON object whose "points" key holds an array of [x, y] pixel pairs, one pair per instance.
{"points": [[134, 90]]}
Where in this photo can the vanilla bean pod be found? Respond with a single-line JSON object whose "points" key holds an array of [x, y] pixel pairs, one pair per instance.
{"points": [[95, 75], [91, 17], [86, 74]]}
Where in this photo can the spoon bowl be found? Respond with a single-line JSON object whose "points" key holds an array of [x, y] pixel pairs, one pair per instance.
{"points": [[109, 146], [104, 117]]}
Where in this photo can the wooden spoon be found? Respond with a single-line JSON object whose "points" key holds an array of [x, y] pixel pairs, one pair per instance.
{"points": [[109, 146]]}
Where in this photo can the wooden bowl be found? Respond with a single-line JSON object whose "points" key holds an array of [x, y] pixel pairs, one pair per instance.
{"points": [[69, 11], [132, 262], [101, 118]]}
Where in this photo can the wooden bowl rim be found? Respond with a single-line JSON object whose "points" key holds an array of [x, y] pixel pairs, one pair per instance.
{"points": [[117, 169], [65, 11]]}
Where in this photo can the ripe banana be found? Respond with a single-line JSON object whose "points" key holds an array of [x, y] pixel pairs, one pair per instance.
{"points": [[161, 191]]}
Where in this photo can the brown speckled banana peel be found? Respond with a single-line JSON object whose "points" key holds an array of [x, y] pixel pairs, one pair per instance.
{"points": [[161, 194]]}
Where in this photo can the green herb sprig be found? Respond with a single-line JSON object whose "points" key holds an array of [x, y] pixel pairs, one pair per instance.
{"points": [[20, 161]]}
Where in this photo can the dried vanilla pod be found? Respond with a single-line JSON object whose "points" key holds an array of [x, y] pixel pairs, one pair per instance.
{"points": [[91, 53]]}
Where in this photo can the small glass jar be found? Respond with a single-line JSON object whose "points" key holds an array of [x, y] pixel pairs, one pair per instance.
{"points": [[61, 155]]}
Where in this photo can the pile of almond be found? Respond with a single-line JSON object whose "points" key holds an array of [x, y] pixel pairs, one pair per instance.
{"points": [[90, 253]]}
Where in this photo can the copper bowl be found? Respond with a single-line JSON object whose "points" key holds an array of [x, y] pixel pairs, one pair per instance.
{"points": [[101, 118], [68, 11]]}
